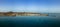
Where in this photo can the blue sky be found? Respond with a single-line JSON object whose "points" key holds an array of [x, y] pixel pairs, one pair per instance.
{"points": [[48, 6]]}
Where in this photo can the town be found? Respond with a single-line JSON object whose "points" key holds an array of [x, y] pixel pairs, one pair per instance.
{"points": [[21, 14]]}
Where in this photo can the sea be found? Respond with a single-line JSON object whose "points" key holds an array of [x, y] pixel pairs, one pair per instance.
{"points": [[53, 20]]}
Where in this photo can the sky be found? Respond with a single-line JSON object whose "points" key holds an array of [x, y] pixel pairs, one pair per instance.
{"points": [[45, 6]]}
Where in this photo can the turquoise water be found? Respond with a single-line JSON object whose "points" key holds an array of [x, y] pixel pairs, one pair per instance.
{"points": [[30, 21], [27, 21]]}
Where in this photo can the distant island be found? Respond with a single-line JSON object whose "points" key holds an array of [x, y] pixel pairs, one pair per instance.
{"points": [[21, 14]]}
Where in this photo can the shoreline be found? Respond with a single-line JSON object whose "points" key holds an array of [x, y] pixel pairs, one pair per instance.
{"points": [[22, 14]]}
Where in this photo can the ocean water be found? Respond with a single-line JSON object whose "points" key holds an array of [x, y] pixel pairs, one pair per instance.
{"points": [[53, 20]]}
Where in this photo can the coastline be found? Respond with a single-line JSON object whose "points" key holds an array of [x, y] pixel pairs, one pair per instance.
{"points": [[22, 14]]}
